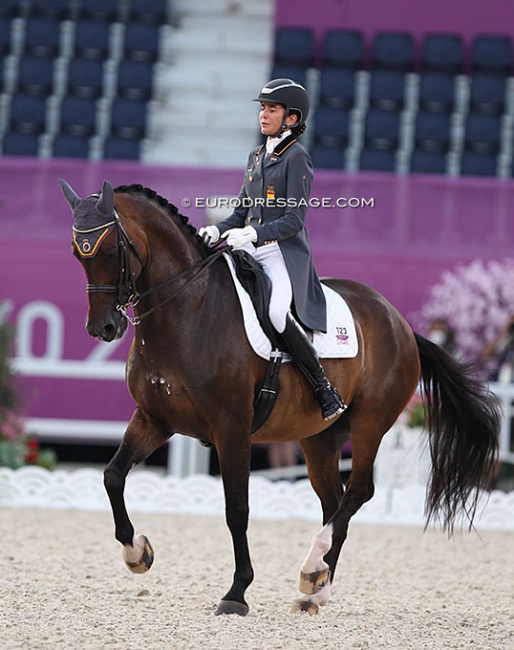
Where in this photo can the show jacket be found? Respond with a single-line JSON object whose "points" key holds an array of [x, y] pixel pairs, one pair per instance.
{"points": [[274, 200]]}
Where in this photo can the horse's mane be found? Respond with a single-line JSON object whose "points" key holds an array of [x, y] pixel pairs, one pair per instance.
{"points": [[169, 208]]}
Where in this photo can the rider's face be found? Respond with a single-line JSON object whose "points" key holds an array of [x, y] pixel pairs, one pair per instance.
{"points": [[271, 118]]}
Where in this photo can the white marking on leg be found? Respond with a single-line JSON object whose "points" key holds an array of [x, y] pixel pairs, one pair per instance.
{"points": [[320, 545], [133, 554]]}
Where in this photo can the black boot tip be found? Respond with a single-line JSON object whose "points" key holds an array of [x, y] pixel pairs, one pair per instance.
{"points": [[337, 411]]}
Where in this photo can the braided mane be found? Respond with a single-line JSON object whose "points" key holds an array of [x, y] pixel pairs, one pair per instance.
{"points": [[170, 209]]}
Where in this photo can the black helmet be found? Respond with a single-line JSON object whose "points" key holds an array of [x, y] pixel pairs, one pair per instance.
{"points": [[290, 94]]}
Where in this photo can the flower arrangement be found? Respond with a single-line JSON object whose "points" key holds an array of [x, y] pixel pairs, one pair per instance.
{"points": [[476, 301], [17, 448]]}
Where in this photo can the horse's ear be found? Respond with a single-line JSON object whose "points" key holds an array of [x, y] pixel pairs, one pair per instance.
{"points": [[106, 201], [71, 197]]}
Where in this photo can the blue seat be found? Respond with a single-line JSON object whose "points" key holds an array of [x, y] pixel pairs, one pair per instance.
{"points": [[482, 133], [105, 11], [474, 163], [428, 162], [337, 88], [35, 75], [327, 157], [393, 51], [78, 116], [343, 48], [141, 42], [20, 144], [42, 37], [135, 79], [118, 148], [443, 53], [66, 145], [149, 11], [10, 9], [28, 113], [5, 37], [437, 91], [432, 131], [492, 54], [58, 9], [377, 160], [91, 40], [128, 118], [331, 127], [387, 90], [85, 77], [294, 46], [294, 72], [487, 93], [381, 129]]}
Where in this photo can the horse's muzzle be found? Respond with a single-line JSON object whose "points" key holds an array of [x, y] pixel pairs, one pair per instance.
{"points": [[109, 328]]}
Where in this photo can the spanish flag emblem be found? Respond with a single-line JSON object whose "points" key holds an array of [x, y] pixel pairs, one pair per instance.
{"points": [[270, 192]]}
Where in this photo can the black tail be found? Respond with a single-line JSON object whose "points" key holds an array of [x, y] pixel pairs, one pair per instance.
{"points": [[463, 422]]}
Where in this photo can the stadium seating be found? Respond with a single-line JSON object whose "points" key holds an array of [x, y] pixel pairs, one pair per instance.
{"points": [[343, 49], [393, 51], [294, 46], [443, 53], [492, 54]]}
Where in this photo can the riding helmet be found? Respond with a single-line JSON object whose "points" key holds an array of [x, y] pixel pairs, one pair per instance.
{"points": [[290, 94]]}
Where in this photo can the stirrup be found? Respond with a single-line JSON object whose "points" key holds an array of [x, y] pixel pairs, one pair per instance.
{"points": [[330, 401]]}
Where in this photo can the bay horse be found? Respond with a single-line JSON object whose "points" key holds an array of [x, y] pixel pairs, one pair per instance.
{"points": [[190, 369]]}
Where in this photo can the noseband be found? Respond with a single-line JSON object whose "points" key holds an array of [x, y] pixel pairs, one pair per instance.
{"points": [[126, 292]]}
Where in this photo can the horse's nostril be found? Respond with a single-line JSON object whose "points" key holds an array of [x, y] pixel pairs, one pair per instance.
{"points": [[108, 332]]}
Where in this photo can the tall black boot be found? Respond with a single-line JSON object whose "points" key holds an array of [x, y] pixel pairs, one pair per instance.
{"points": [[305, 356]]}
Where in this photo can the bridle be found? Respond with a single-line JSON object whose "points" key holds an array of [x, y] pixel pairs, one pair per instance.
{"points": [[125, 290]]}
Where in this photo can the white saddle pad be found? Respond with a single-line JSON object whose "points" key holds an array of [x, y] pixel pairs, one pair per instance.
{"points": [[339, 341]]}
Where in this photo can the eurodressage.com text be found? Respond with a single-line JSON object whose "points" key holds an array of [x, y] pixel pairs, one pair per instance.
{"points": [[280, 202]]}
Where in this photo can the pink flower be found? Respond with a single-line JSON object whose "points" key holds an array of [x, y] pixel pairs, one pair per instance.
{"points": [[11, 426]]}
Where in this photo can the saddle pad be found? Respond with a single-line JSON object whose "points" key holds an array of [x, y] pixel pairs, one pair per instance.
{"points": [[339, 342]]}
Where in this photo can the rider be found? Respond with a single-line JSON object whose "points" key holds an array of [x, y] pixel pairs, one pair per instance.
{"points": [[269, 224]]}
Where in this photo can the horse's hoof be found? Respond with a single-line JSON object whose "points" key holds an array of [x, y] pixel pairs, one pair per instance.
{"points": [[232, 607], [301, 605], [311, 583], [139, 557]]}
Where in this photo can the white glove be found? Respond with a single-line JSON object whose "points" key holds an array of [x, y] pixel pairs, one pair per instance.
{"points": [[210, 234], [237, 237]]}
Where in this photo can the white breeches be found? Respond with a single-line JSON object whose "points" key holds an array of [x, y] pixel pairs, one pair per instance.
{"points": [[272, 261]]}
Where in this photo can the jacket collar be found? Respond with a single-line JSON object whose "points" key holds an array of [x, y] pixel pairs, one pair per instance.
{"points": [[284, 144]]}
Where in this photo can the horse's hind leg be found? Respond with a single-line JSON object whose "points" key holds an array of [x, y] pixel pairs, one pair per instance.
{"points": [[322, 453], [317, 570], [141, 438]]}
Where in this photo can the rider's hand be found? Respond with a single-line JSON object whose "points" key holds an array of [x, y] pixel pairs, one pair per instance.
{"points": [[237, 237], [210, 234]]}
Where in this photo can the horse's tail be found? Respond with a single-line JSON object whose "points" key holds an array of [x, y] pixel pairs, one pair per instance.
{"points": [[463, 422]]}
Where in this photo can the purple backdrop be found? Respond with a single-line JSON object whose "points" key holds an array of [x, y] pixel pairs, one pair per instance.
{"points": [[405, 233], [466, 18]]}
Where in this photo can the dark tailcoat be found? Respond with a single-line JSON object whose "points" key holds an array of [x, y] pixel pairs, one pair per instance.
{"points": [[274, 200]]}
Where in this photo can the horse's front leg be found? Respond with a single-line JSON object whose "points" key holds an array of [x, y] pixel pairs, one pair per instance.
{"points": [[142, 437], [234, 458]]}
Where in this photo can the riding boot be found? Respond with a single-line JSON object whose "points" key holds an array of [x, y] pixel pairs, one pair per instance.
{"points": [[305, 356]]}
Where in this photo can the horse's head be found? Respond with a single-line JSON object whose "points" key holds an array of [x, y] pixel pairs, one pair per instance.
{"points": [[102, 246]]}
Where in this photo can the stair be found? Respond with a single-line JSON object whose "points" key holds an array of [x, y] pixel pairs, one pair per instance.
{"points": [[218, 59]]}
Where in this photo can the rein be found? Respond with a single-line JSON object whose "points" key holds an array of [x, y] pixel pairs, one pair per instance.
{"points": [[135, 298], [127, 294]]}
